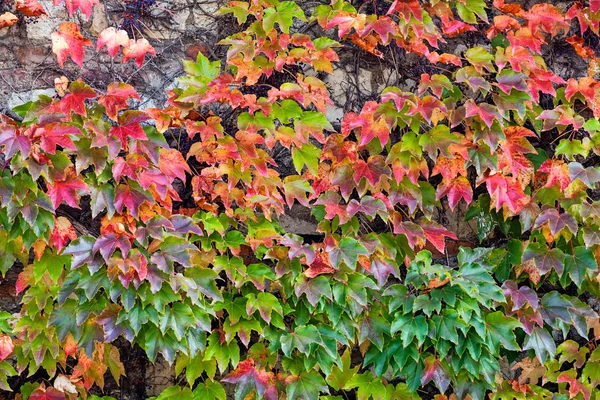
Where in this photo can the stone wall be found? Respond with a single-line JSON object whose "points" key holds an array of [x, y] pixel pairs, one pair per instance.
{"points": [[177, 29]]}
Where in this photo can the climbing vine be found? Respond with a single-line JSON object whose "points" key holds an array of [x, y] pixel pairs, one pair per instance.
{"points": [[188, 260]]}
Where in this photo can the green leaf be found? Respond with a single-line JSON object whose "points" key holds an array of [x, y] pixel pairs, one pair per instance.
{"points": [[500, 332], [203, 67], [475, 281], [283, 15], [313, 288], [265, 303], [466, 11], [224, 354], [339, 377], [438, 138], [446, 325], [239, 9], [6, 370], [306, 386], [542, 343], [578, 263], [307, 155], [347, 250], [178, 317], [52, 263], [63, 319], [209, 390], [410, 327], [301, 338], [368, 387], [570, 148], [286, 110], [174, 393]]}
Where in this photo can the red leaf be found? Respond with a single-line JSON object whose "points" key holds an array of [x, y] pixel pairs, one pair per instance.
{"points": [[455, 27], [524, 37], [556, 221], [502, 23], [382, 269], [456, 189], [435, 372], [31, 8], [342, 178], [368, 125], [129, 166], [6, 347], [130, 197], [107, 245], [449, 168], [506, 193], [138, 50], [486, 112], [558, 173], [69, 41], [383, 26], [514, 9], [429, 107], [581, 49], [79, 91], [444, 58], [261, 380], [172, 164], [113, 39], [548, 18], [12, 138], [368, 43], [212, 128], [129, 126], [520, 296], [153, 179], [372, 170], [67, 190], [56, 134], [63, 232], [84, 5], [575, 387], [406, 8], [585, 86], [320, 265], [47, 394], [413, 232], [331, 201], [515, 146], [116, 98], [437, 234]]}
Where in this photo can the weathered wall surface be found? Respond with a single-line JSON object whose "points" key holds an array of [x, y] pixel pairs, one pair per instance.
{"points": [[177, 29]]}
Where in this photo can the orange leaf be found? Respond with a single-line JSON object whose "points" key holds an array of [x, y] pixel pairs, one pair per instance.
{"points": [[531, 370], [116, 98], [582, 50], [31, 8], [172, 164], [7, 19], [138, 50], [368, 43], [63, 231], [69, 41], [320, 265]]}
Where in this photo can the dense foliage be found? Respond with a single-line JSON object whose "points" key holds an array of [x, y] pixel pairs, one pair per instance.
{"points": [[190, 262]]}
